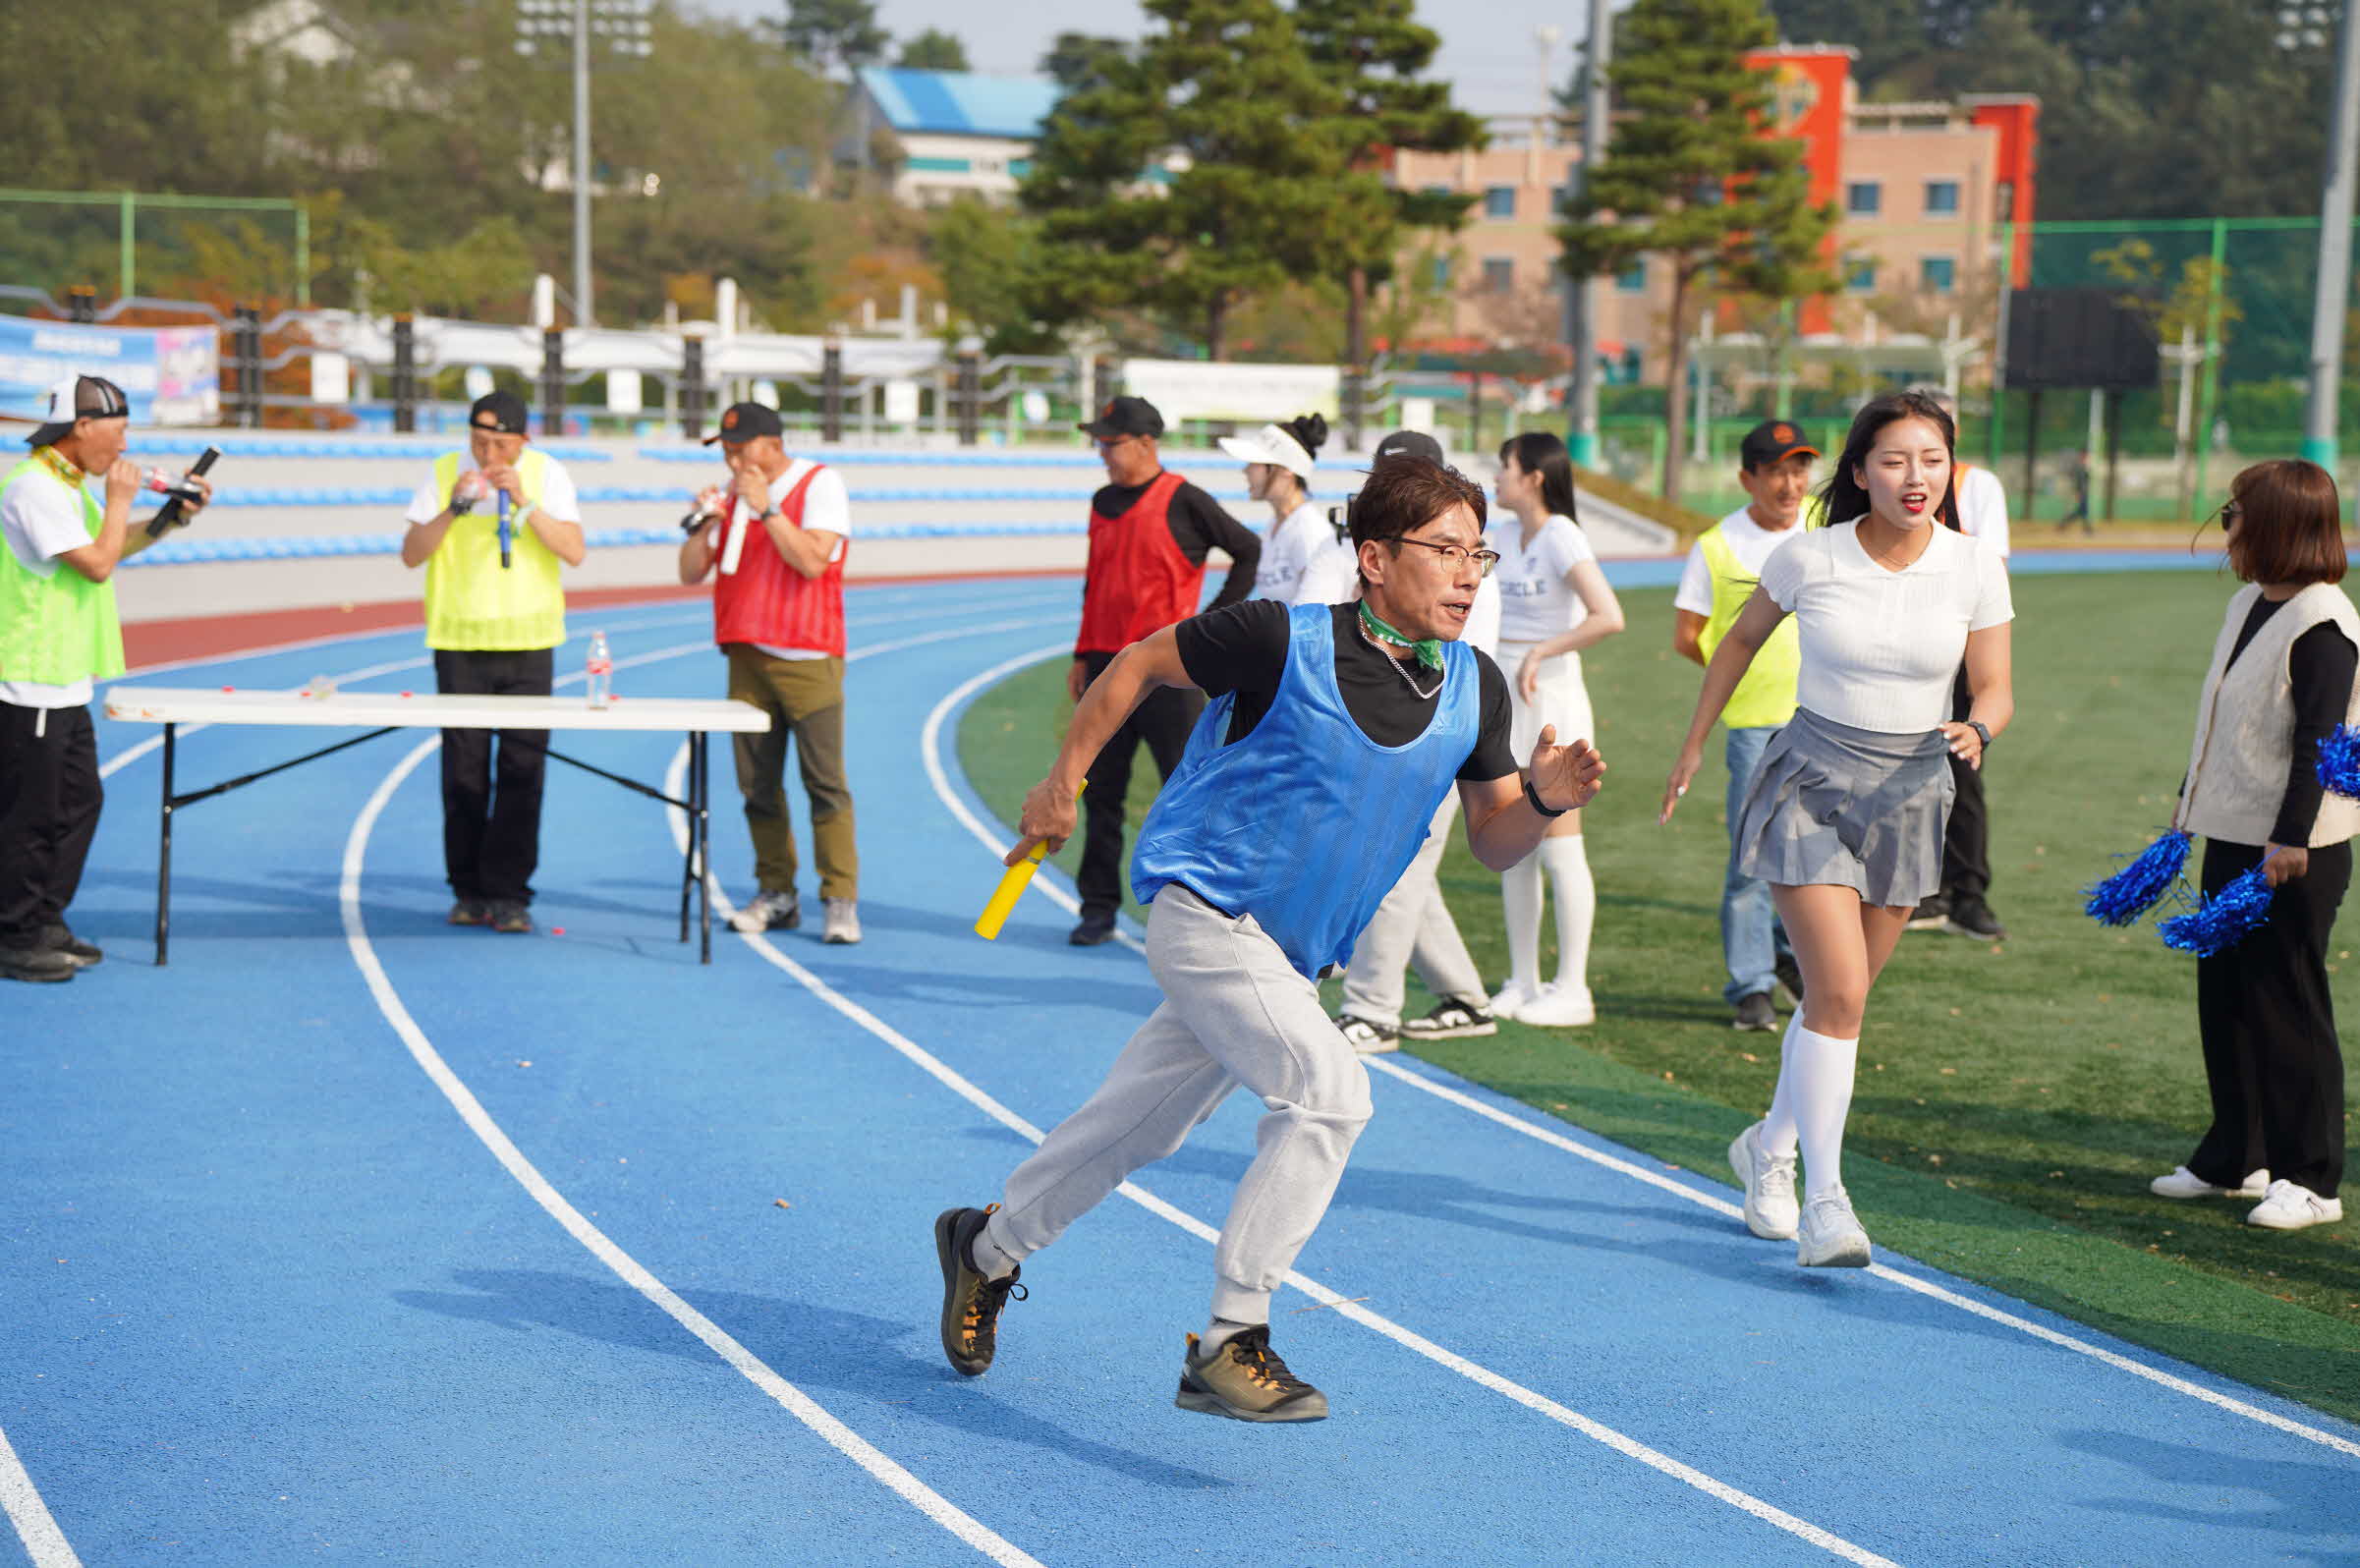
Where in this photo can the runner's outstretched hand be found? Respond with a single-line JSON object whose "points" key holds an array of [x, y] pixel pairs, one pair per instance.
{"points": [[1565, 776]]}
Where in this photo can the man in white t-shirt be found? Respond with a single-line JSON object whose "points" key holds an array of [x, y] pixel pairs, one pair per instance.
{"points": [[59, 635], [492, 524], [1723, 568], [1963, 905], [779, 539]]}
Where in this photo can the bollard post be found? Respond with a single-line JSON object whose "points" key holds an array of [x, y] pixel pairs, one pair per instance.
{"points": [[691, 388], [82, 305], [831, 392], [552, 382], [971, 396], [245, 353], [405, 375]]}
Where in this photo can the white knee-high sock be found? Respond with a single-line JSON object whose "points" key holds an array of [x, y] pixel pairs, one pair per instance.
{"points": [[1822, 1067], [1520, 901], [1778, 1124], [1576, 894]]}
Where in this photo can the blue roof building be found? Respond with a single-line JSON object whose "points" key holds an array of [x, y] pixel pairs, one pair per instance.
{"points": [[954, 132]]}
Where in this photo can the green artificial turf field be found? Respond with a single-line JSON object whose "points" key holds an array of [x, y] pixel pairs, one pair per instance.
{"points": [[2014, 1098]]}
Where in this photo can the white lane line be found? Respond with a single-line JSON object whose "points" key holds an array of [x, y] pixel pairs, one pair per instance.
{"points": [[934, 1067], [793, 1400], [154, 742], [43, 1542], [998, 845]]}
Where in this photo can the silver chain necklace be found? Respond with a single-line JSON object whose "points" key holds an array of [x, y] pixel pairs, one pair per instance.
{"points": [[1400, 669]]}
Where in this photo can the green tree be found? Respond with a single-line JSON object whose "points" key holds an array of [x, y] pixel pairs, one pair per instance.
{"points": [[1691, 177], [1204, 169], [933, 50], [1077, 57], [1374, 51], [988, 258], [834, 33]]}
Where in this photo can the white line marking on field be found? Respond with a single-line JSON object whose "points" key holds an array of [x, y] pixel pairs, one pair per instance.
{"points": [[998, 845], [43, 1541], [1347, 1307], [798, 1404]]}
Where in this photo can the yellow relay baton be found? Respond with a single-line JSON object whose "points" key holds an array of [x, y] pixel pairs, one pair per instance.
{"points": [[1012, 883]]}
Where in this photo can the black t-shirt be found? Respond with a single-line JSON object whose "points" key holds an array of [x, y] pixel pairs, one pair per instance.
{"points": [[1243, 649], [1200, 525]]}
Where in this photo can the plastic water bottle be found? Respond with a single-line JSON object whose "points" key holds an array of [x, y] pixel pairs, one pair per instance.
{"points": [[599, 671]]}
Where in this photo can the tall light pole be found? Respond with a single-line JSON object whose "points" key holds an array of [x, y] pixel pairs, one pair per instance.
{"points": [[1581, 400], [626, 26], [2334, 282]]}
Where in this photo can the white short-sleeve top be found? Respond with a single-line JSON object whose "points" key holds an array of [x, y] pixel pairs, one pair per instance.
{"points": [[1534, 601], [1881, 648]]}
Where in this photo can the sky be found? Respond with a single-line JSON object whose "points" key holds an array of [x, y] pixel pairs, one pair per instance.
{"points": [[1489, 51]]}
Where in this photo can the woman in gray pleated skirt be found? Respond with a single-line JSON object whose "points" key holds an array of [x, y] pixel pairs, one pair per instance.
{"points": [[1845, 815]]}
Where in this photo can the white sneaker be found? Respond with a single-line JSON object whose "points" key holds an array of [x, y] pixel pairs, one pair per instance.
{"points": [[843, 923], [1829, 1235], [1771, 1212], [2291, 1205], [769, 911], [2185, 1183], [1511, 1000], [1560, 1007]]}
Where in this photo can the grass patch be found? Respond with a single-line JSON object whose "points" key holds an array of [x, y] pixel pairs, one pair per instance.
{"points": [[2013, 1099]]}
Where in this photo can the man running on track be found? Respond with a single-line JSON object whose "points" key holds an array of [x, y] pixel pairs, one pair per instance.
{"points": [[1333, 733]]}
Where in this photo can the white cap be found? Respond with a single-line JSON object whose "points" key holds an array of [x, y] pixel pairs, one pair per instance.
{"points": [[1271, 445]]}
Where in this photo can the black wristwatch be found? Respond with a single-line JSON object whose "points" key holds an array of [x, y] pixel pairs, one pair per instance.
{"points": [[1532, 798], [1983, 729]]}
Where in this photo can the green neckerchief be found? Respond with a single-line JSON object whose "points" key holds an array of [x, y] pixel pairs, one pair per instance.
{"points": [[1428, 649]]}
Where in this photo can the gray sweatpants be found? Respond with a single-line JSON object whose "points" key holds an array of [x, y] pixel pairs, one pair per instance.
{"points": [[1234, 1012], [1413, 926]]}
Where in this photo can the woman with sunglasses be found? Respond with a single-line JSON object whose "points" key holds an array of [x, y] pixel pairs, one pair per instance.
{"points": [[1554, 602], [1845, 815], [2281, 679]]}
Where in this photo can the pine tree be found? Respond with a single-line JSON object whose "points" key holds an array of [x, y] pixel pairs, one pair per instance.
{"points": [[1692, 179], [1373, 50], [933, 50], [1198, 170]]}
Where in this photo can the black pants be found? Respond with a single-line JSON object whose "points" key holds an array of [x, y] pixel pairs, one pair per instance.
{"points": [[49, 801], [2269, 1028], [1966, 844], [1163, 721], [491, 813]]}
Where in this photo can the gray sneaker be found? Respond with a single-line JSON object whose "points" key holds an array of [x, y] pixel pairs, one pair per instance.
{"points": [[1769, 1186], [842, 924], [1246, 1381], [769, 911], [1830, 1236], [1755, 1012]]}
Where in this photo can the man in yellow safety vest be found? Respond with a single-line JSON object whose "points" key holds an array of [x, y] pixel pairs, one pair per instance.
{"points": [[1724, 567], [490, 526]]}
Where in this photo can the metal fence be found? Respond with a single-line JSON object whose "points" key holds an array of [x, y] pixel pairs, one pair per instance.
{"points": [[132, 240]]}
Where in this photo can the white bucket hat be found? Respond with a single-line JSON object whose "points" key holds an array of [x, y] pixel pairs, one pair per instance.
{"points": [[1271, 445]]}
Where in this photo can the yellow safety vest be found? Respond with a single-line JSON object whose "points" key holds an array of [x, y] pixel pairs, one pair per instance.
{"points": [[473, 604], [1767, 694], [59, 629]]}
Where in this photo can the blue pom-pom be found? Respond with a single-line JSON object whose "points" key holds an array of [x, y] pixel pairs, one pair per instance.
{"points": [[2340, 763], [2131, 891], [2217, 924]]}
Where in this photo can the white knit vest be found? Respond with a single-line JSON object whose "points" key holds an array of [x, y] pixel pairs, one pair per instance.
{"points": [[2245, 725]]}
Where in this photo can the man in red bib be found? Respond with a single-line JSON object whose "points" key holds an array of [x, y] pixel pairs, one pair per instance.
{"points": [[1149, 532], [779, 539]]}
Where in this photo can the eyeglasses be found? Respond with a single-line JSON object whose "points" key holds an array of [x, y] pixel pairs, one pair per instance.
{"points": [[1456, 554], [2229, 514]]}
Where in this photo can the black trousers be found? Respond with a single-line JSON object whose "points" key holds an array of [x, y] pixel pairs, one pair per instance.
{"points": [[491, 811], [2269, 1029], [49, 801], [1163, 721], [1967, 842]]}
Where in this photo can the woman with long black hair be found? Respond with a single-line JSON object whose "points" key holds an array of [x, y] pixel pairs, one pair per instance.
{"points": [[1845, 815]]}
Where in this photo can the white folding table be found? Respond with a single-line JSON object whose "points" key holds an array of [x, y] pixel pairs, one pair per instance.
{"points": [[383, 712]]}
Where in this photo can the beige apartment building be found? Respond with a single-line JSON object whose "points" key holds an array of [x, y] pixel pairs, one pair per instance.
{"points": [[1921, 190]]}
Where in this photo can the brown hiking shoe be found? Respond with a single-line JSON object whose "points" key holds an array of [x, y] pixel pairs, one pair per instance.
{"points": [[1246, 1381], [971, 1302]]}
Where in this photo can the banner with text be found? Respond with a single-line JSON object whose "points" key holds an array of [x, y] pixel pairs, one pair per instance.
{"points": [[1210, 389], [172, 375]]}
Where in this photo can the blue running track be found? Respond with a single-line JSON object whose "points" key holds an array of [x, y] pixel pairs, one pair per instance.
{"points": [[354, 1237]]}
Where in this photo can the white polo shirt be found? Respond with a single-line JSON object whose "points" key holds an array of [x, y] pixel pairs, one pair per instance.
{"points": [[1536, 602]]}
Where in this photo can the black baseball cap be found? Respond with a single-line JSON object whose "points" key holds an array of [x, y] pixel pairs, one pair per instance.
{"points": [[743, 421], [1410, 443], [79, 397], [1125, 416], [1772, 441], [509, 415]]}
